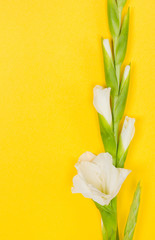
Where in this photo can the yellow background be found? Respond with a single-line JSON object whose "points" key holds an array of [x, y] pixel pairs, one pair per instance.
{"points": [[50, 60]]}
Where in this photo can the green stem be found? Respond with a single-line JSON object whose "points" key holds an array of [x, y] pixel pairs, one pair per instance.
{"points": [[115, 235], [118, 71], [109, 213], [117, 66], [109, 219], [115, 127]]}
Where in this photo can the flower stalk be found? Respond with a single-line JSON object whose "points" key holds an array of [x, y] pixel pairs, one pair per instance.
{"points": [[100, 177], [119, 92]]}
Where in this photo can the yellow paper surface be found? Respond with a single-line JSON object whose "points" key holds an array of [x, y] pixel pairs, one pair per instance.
{"points": [[50, 60]]}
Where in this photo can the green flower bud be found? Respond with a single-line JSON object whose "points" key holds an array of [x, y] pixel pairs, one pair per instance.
{"points": [[110, 74], [113, 18], [108, 138], [121, 43], [121, 3], [122, 97]]}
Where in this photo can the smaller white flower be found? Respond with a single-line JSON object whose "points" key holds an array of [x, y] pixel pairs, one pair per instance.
{"points": [[97, 178], [127, 132], [102, 102]]}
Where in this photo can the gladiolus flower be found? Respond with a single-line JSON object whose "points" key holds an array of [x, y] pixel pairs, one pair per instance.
{"points": [[97, 178]]}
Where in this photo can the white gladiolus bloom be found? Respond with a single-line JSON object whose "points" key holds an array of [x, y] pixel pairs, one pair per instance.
{"points": [[127, 132], [97, 178], [102, 102]]}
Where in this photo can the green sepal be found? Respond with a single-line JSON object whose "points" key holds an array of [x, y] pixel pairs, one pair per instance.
{"points": [[108, 137], [121, 3], [121, 154], [132, 218], [110, 74], [113, 18], [121, 43], [121, 99], [109, 219]]}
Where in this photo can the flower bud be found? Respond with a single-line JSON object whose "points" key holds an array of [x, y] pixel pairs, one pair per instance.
{"points": [[128, 131], [126, 76], [110, 74], [121, 44], [102, 102], [125, 138], [106, 46], [121, 100], [121, 3], [113, 18]]}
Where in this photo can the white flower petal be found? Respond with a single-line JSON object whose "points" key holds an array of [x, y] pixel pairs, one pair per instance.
{"points": [[87, 156], [128, 131], [117, 180], [91, 173], [100, 200], [102, 102], [104, 161], [80, 186], [99, 197], [88, 191], [112, 177]]}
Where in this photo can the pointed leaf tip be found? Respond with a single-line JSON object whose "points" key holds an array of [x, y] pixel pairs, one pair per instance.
{"points": [[132, 219]]}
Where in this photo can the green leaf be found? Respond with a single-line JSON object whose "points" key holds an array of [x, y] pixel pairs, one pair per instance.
{"points": [[121, 43], [110, 74], [113, 18], [132, 219], [121, 100], [121, 3], [108, 137]]}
